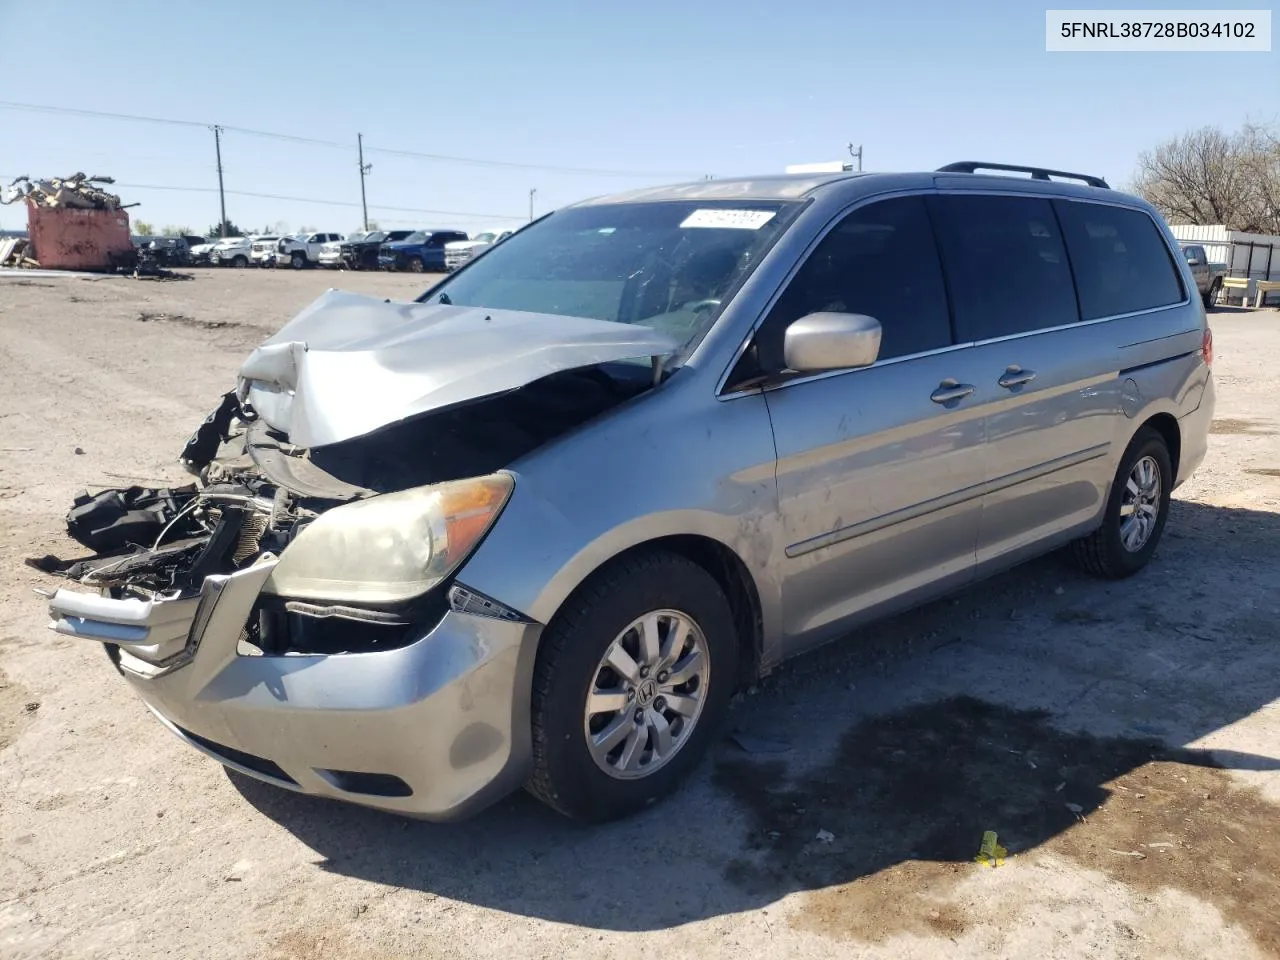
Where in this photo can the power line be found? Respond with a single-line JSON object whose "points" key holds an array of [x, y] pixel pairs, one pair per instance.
{"points": [[312, 141], [463, 214], [514, 165]]}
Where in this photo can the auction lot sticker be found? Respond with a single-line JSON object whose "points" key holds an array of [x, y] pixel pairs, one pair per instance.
{"points": [[1154, 31], [728, 219]]}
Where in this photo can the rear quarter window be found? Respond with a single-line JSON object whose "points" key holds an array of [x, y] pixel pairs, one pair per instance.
{"points": [[1121, 262]]}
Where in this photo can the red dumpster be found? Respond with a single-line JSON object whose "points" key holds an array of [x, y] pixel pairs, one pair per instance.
{"points": [[66, 238]]}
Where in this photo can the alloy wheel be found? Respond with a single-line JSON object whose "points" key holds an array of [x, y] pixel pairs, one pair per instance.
{"points": [[646, 695]]}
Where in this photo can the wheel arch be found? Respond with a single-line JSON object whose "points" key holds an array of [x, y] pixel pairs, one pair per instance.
{"points": [[724, 565]]}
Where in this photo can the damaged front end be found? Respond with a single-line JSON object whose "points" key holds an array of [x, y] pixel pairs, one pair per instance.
{"points": [[354, 535]]}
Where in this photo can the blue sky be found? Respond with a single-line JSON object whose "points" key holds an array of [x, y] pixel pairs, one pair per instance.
{"points": [[665, 90]]}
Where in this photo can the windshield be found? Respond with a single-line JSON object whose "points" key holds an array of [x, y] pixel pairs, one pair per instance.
{"points": [[666, 265], [484, 237], [376, 237], [418, 237]]}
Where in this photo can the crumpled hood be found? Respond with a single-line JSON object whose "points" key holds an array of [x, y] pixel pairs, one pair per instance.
{"points": [[349, 364], [402, 244]]}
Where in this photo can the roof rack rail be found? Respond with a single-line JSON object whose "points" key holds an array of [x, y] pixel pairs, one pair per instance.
{"points": [[1037, 173]]}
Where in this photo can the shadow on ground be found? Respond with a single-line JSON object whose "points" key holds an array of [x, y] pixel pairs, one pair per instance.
{"points": [[1043, 705]]}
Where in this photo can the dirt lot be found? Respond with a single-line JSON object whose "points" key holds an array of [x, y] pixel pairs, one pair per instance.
{"points": [[1123, 740]]}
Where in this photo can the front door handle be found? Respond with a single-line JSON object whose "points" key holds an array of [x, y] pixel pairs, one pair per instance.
{"points": [[1016, 377], [949, 391]]}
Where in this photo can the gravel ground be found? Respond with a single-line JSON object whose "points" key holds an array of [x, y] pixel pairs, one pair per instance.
{"points": [[1121, 739]]}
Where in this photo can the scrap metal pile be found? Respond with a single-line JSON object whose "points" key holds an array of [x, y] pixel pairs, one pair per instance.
{"points": [[77, 191]]}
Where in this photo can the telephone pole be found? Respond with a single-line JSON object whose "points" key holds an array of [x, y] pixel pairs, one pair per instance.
{"points": [[532, 191], [222, 196], [364, 171], [858, 154]]}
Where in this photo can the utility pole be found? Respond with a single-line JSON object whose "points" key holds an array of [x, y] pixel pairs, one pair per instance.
{"points": [[222, 196], [856, 153], [532, 191], [364, 171]]}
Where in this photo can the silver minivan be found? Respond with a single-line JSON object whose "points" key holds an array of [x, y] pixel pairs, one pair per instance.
{"points": [[537, 526]]}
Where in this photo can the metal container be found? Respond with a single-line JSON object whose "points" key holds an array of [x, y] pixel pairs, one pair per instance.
{"points": [[69, 239]]}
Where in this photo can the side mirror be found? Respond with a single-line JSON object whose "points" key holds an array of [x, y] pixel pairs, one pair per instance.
{"points": [[1194, 261], [831, 341]]}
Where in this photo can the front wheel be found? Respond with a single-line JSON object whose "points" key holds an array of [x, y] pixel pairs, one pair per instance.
{"points": [[1136, 512], [240, 262], [297, 261], [632, 680], [415, 265]]}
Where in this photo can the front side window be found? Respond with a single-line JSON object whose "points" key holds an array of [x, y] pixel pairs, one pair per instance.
{"points": [[881, 260], [669, 265], [1121, 261], [1005, 264]]}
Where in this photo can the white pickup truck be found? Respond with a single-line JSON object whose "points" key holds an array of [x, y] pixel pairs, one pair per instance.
{"points": [[302, 250], [1208, 275], [460, 251]]}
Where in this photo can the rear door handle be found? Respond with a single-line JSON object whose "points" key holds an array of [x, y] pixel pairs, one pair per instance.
{"points": [[1016, 377], [949, 391]]}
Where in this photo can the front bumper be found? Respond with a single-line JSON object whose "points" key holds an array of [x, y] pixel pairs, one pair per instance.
{"points": [[386, 262], [436, 729]]}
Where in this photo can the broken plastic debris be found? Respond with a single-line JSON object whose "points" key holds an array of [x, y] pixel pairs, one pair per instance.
{"points": [[990, 854], [826, 836]]}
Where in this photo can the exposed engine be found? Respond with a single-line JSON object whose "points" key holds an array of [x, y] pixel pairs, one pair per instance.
{"points": [[255, 491]]}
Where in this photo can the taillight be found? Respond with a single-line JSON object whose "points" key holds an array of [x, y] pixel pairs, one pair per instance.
{"points": [[1206, 347]]}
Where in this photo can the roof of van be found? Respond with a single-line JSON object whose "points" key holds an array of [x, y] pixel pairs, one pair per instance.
{"points": [[797, 186]]}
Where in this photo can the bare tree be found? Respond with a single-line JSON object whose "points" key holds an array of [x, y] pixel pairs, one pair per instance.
{"points": [[1207, 176]]}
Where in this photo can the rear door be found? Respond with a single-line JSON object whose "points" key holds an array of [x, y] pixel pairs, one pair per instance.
{"points": [[879, 473], [1014, 265]]}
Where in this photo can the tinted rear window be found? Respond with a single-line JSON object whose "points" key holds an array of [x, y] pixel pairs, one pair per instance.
{"points": [[1121, 262], [1005, 264]]}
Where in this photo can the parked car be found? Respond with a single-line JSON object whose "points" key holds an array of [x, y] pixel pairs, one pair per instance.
{"points": [[362, 254], [302, 250], [262, 252], [538, 525], [200, 252], [460, 251], [231, 252], [1208, 276], [421, 251]]}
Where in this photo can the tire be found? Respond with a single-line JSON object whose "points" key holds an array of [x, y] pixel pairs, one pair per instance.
{"points": [[297, 261], [1210, 296], [415, 265], [239, 261], [1103, 553], [566, 776]]}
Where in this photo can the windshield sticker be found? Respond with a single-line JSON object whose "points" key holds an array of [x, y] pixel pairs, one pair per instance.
{"points": [[728, 219]]}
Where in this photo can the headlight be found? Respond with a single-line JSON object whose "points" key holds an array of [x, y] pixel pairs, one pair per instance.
{"points": [[392, 547]]}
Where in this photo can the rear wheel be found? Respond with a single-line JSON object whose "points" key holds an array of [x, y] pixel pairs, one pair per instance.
{"points": [[1210, 296], [633, 678], [1137, 510]]}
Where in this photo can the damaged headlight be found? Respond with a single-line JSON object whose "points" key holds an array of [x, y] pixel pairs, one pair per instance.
{"points": [[392, 547]]}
